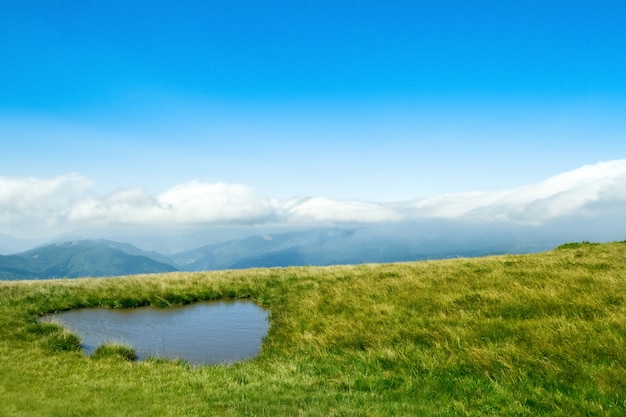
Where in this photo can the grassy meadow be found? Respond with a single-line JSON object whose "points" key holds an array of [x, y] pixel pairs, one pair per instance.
{"points": [[513, 335]]}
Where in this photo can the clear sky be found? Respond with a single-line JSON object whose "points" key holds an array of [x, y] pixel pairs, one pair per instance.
{"points": [[366, 101]]}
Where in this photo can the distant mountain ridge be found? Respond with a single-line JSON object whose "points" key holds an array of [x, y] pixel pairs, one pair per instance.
{"points": [[268, 250], [85, 258], [331, 246], [321, 246]]}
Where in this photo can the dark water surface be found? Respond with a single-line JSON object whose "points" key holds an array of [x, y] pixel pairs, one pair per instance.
{"points": [[200, 333]]}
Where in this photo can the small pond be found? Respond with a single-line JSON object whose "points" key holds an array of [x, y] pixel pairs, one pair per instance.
{"points": [[200, 333]]}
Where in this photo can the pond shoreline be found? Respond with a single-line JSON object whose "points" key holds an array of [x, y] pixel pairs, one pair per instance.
{"points": [[200, 333]]}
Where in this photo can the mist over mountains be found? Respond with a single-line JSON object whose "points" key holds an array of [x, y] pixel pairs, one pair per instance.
{"points": [[393, 242], [199, 226], [328, 246]]}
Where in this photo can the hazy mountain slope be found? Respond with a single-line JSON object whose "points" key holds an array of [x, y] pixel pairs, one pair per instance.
{"points": [[232, 253], [89, 258], [14, 267], [369, 246], [389, 243], [393, 242], [10, 245]]}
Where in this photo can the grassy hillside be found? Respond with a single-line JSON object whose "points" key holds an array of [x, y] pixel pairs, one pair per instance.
{"points": [[522, 335]]}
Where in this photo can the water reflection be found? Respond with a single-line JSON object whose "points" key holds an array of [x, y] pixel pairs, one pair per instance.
{"points": [[200, 333]]}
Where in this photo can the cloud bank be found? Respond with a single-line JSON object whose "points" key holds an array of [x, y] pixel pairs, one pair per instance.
{"points": [[31, 206]]}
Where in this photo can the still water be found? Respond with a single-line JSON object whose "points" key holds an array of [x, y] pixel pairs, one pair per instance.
{"points": [[200, 333]]}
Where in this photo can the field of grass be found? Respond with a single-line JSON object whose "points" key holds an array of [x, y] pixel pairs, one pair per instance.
{"points": [[523, 335]]}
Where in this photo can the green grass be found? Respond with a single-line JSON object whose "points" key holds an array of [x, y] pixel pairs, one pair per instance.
{"points": [[523, 335], [115, 351]]}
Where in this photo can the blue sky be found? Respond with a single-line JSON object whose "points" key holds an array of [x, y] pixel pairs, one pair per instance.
{"points": [[363, 101]]}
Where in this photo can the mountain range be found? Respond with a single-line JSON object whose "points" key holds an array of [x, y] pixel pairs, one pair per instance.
{"points": [[86, 258], [320, 246]]}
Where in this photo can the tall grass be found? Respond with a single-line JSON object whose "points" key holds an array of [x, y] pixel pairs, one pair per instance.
{"points": [[520, 335]]}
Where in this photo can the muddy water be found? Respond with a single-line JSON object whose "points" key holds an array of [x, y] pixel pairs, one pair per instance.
{"points": [[200, 333]]}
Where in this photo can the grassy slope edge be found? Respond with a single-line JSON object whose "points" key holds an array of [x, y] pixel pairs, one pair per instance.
{"points": [[522, 335]]}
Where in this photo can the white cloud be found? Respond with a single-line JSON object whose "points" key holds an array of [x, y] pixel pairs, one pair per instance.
{"points": [[34, 205], [562, 195], [215, 203], [131, 206], [29, 193], [325, 210], [187, 204]]}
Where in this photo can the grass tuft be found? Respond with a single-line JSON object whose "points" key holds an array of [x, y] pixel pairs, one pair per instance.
{"points": [[116, 351], [61, 341]]}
